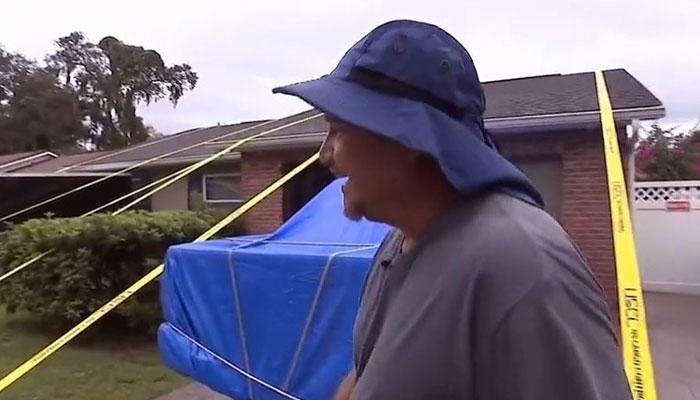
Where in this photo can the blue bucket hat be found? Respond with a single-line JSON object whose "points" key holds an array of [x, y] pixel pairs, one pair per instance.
{"points": [[416, 84]]}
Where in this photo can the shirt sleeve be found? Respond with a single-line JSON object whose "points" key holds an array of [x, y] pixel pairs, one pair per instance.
{"points": [[557, 342]]}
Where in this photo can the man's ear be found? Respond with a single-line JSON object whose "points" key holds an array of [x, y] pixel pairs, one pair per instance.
{"points": [[326, 149]]}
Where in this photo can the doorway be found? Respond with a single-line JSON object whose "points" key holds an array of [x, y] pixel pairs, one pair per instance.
{"points": [[303, 187]]}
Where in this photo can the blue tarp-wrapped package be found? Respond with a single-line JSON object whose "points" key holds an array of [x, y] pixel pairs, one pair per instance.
{"points": [[270, 316]]}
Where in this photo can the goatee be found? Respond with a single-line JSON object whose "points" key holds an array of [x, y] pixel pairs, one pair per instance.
{"points": [[353, 215]]}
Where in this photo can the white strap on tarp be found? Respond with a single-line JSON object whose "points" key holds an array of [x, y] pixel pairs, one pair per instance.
{"points": [[314, 304], [237, 304], [268, 239], [233, 366]]}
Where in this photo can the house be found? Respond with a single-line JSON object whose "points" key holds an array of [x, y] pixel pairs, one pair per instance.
{"points": [[547, 125], [27, 179]]}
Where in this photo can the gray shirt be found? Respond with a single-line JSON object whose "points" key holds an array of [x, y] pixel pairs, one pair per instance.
{"points": [[496, 303]]}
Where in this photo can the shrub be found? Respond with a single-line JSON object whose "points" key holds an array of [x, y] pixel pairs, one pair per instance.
{"points": [[93, 259]]}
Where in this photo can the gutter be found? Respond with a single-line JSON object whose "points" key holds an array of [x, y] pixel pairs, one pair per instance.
{"points": [[57, 175], [583, 119], [158, 163], [497, 126], [287, 142]]}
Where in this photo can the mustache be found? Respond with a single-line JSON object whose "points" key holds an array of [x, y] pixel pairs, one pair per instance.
{"points": [[328, 162], [336, 172]]}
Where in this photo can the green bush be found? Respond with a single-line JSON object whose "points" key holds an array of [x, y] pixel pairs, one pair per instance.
{"points": [[92, 260]]}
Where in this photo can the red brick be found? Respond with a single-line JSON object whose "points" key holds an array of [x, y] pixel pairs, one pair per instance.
{"points": [[259, 170], [257, 173]]}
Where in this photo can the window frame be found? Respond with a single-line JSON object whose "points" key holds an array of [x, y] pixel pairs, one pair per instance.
{"points": [[225, 174]]}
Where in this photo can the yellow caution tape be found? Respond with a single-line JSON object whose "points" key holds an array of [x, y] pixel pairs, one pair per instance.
{"points": [[162, 182], [635, 339], [24, 265], [127, 169], [135, 192], [636, 349], [115, 153], [174, 177], [95, 182], [28, 365]]}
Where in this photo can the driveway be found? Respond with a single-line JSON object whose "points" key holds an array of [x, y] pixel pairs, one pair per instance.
{"points": [[674, 330], [193, 391]]}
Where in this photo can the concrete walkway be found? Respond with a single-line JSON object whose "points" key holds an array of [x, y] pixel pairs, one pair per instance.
{"points": [[193, 391], [674, 329]]}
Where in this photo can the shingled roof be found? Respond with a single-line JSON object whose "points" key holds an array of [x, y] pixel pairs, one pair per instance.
{"points": [[515, 104], [530, 103], [56, 164], [15, 161], [142, 151], [563, 93]]}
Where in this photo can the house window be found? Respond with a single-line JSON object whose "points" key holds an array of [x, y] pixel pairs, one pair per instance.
{"points": [[546, 173], [222, 188]]}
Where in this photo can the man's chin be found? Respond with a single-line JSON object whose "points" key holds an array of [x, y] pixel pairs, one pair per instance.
{"points": [[352, 210], [353, 215]]}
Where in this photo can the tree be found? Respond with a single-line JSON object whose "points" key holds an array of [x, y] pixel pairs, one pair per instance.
{"points": [[691, 150], [664, 154], [13, 67], [112, 78], [42, 115], [36, 112], [85, 95]]}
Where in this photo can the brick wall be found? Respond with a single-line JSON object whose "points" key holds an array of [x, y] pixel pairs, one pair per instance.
{"points": [[586, 209], [258, 170]]}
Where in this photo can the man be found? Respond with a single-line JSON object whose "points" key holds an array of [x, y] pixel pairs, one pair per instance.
{"points": [[478, 293]]}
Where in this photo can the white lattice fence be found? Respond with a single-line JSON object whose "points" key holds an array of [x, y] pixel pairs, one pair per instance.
{"points": [[667, 234], [657, 195]]}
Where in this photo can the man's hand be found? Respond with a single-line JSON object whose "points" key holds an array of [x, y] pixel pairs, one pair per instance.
{"points": [[345, 389]]}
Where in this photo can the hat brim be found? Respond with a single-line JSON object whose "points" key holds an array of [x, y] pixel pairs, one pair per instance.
{"points": [[390, 116], [467, 162]]}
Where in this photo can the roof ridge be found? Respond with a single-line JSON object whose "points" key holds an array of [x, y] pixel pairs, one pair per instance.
{"points": [[521, 78], [553, 75], [110, 154], [252, 122]]}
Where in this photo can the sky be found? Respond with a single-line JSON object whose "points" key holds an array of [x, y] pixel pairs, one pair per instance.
{"points": [[242, 49]]}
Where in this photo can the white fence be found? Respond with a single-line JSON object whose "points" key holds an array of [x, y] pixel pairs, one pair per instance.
{"points": [[667, 233]]}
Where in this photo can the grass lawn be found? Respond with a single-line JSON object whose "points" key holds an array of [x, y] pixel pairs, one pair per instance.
{"points": [[116, 371]]}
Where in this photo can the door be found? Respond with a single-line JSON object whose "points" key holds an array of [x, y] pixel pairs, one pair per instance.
{"points": [[303, 187]]}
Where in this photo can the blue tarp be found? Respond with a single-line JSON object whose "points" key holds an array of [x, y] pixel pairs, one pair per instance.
{"points": [[248, 302]]}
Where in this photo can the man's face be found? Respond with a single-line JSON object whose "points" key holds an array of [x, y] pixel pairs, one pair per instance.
{"points": [[376, 168]]}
